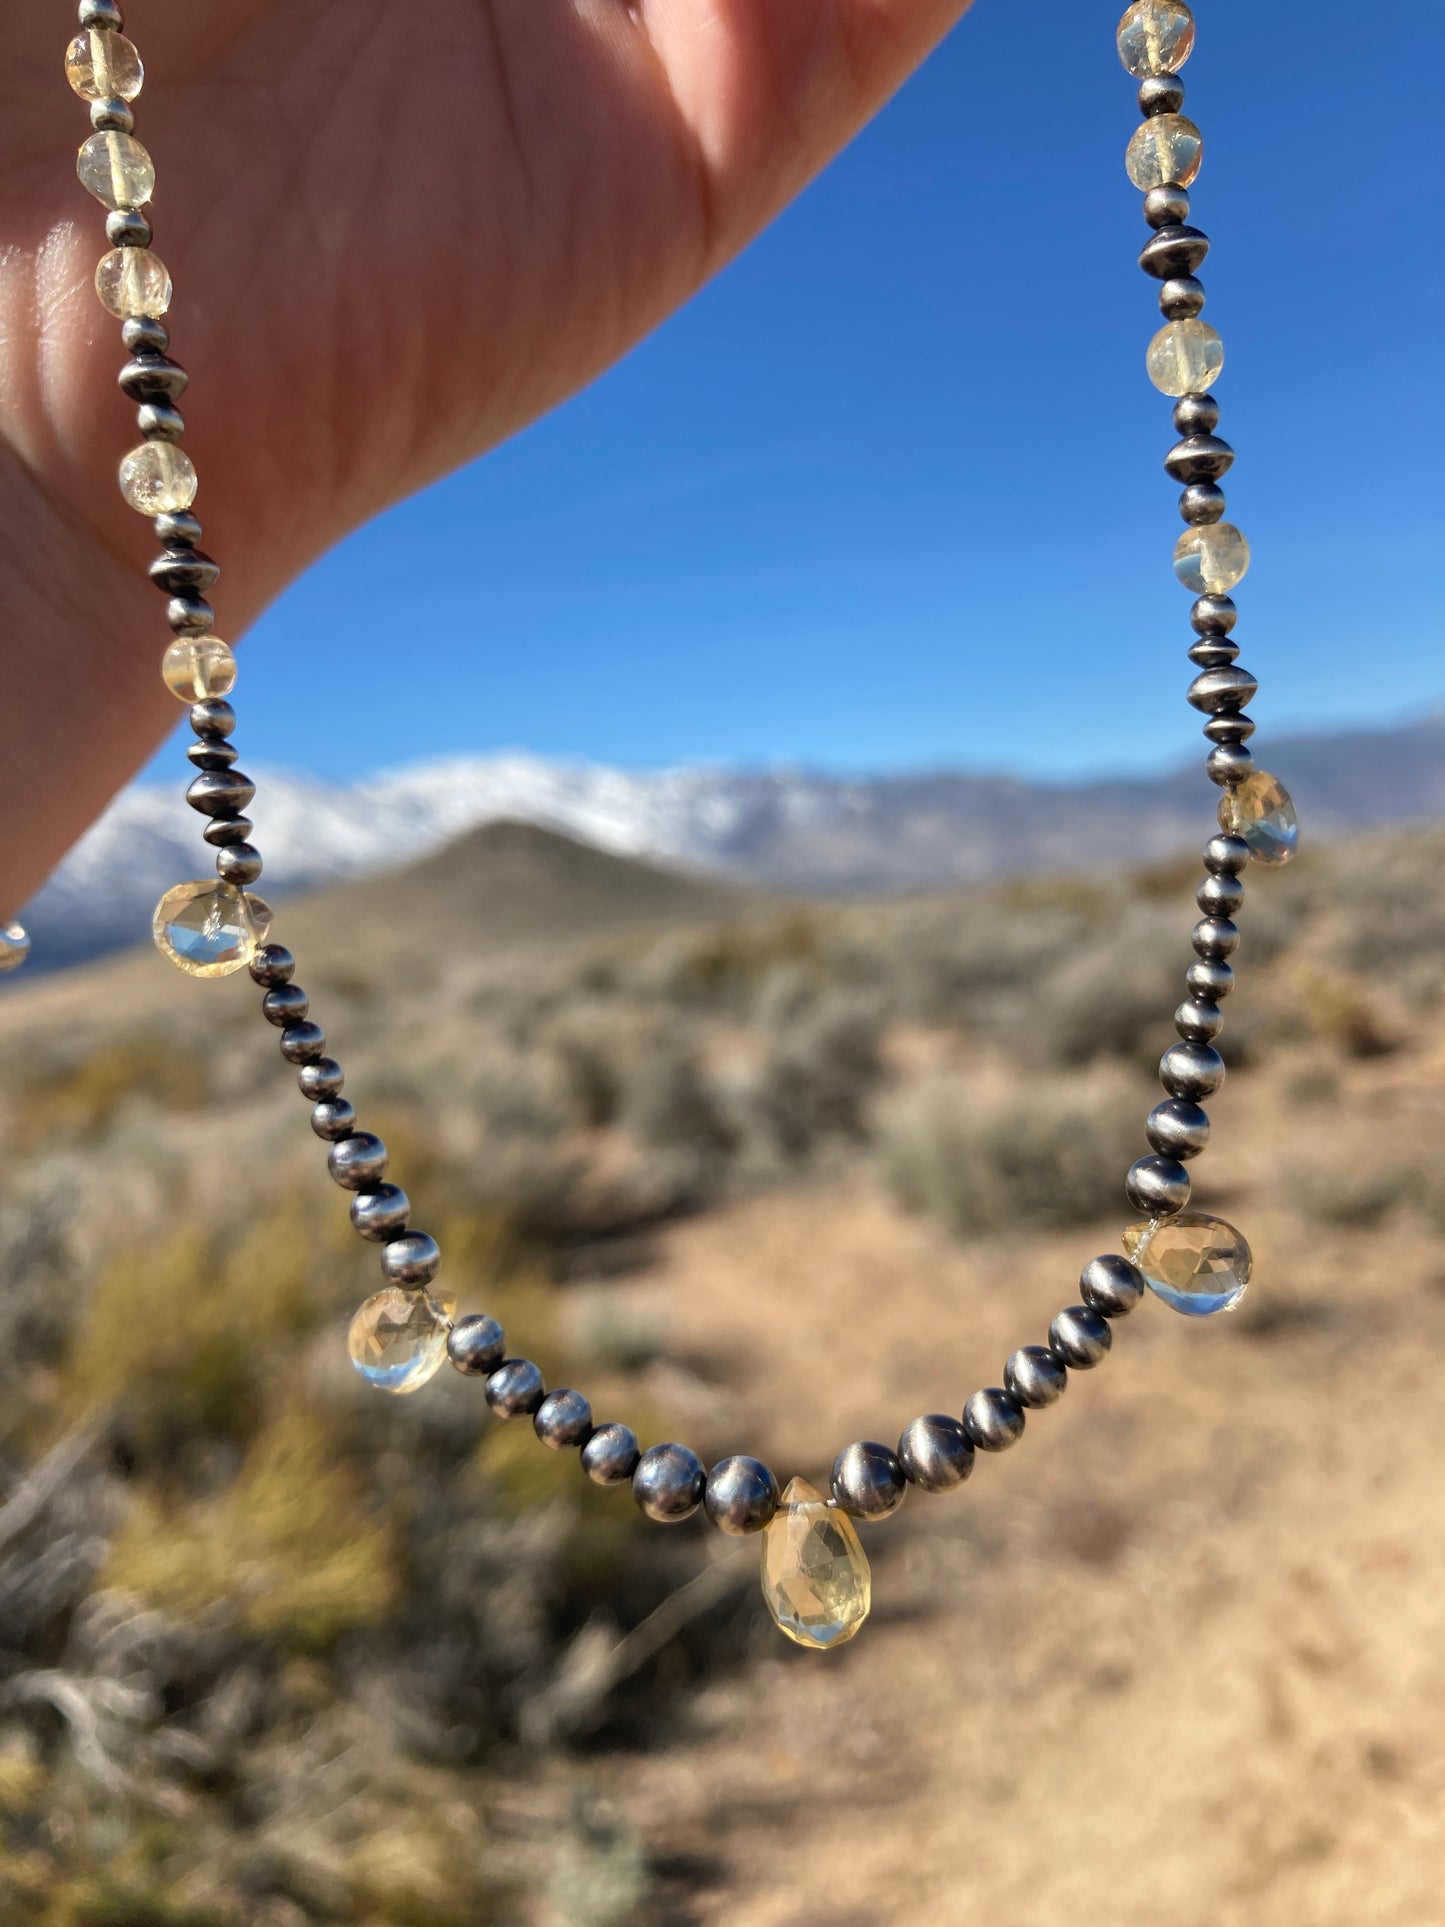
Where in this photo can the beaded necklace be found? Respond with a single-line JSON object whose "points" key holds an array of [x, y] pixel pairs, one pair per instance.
{"points": [[815, 1575]]}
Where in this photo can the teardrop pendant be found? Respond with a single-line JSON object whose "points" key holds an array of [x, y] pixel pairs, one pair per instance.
{"points": [[815, 1573]]}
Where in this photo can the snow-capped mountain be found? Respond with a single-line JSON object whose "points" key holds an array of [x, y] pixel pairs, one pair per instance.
{"points": [[788, 829]]}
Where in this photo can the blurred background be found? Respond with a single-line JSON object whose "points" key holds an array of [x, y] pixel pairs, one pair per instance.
{"points": [[780, 858]]}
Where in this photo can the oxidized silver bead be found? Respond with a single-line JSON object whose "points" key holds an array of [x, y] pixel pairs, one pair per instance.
{"points": [[415, 1258], [225, 831], [514, 1388], [358, 1160], [476, 1345], [1160, 94], [303, 1043], [1034, 1377], [1226, 856], [1199, 458], [1219, 896], [334, 1118], [380, 1214], [1231, 726], [993, 1420], [1157, 1186], [213, 716], [1228, 764], [1166, 206], [1213, 615], [935, 1452], [287, 1004], [218, 790], [126, 227], [239, 863], [1211, 977], [184, 572], [189, 615], [563, 1420], [1200, 504], [1178, 1128], [868, 1481], [1215, 938], [1191, 1070], [1196, 414], [1198, 1021], [1080, 1337], [1110, 1286], [668, 1483], [1173, 251], [1181, 298], [740, 1496], [178, 528], [273, 965], [1221, 689], [610, 1456]]}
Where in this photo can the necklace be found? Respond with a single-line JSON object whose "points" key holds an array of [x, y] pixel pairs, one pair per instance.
{"points": [[815, 1575]]}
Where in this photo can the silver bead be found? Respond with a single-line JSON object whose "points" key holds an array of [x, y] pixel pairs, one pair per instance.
{"points": [[288, 1004], [334, 1118], [303, 1043], [1157, 1186], [152, 377], [1034, 1377], [102, 14], [178, 527], [740, 1496], [239, 863], [1110, 1286], [1232, 727], [1196, 414], [1181, 298], [563, 1420], [212, 752], [993, 1420], [669, 1483], [358, 1160], [1191, 1070], [868, 1480], [1210, 978], [126, 227], [380, 1214], [1178, 1128], [215, 790], [225, 831], [1160, 94], [145, 335], [1228, 764], [158, 421], [1215, 938], [1221, 689], [212, 717], [514, 1388], [1198, 1021], [1173, 251], [1199, 458], [415, 1258], [184, 572], [935, 1452], [1212, 652], [273, 965], [1226, 856], [1166, 206], [1213, 615], [1079, 1337], [476, 1344], [190, 615], [610, 1456], [112, 114], [1219, 896], [1201, 503]]}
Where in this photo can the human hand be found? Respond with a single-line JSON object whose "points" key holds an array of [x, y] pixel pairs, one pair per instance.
{"points": [[398, 233]]}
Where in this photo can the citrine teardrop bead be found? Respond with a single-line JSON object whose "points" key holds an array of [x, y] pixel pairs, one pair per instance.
{"points": [[1167, 148], [196, 668], [398, 1339], [1262, 811], [1210, 561], [1196, 1263], [1155, 37], [1185, 358], [157, 478], [210, 929], [101, 65], [815, 1575], [133, 281], [116, 169]]}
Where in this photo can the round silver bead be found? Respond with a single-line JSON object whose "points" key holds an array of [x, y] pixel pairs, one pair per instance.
{"points": [[993, 1420], [1110, 1286], [476, 1345], [1198, 1021], [1178, 1128], [1211, 977], [1079, 1337], [378, 1215], [1211, 615], [1201, 503], [334, 1118], [740, 1496], [286, 1004], [179, 528], [358, 1161], [935, 1452], [188, 615], [272, 965], [1160, 94], [126, 227], [414, 1259], [322, 1078], [1228, 764], [239, 863], [610, 1456], [1166, 206], [112, 114], [514, 1388], [159, 421], [1034, 1377], [1226, 856], [669, 1483], [303, 1043], [868, 1482], [1215, 938], [1157, 1186], [1191, 1070], [1181, 298], [212, 716], [563, 1420]]}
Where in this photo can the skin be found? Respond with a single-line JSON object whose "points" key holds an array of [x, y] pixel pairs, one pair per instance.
{"points": [[398, 233]]}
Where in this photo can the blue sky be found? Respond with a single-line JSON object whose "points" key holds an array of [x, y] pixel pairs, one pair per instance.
{"points": [[889, 492]]}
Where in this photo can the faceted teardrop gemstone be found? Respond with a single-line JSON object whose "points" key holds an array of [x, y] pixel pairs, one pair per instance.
{"points": [[14, 946], [1167, 148], [210, 929], [1210, 561], [815, 1575], [398, 1338], [1197, 1264], [1185, 358], [1262, 811], [1155, 37], [195, 668]]}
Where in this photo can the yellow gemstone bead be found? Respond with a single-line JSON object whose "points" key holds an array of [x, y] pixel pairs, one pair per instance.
{"points": [[1210, 561], [1167, 148], [1185, 358], [1197, 1264], [158, 479], [1156, 37], [1262, 811], [195, 668], [399, 1338], [210, 929], [103, 66], [116, 169], [133, 281], [815, 1576], [14, 946]]}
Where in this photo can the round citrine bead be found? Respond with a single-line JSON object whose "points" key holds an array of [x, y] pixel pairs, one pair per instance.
{"points": [[158, 479], [1196, 1263], [195, 668], [1155, 37], [399, 1338], [133, 281], [1210, 561], [1185, 358], [210, 929], [116, 169], [1167, 148], [103, 66], [1262, 811]]}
